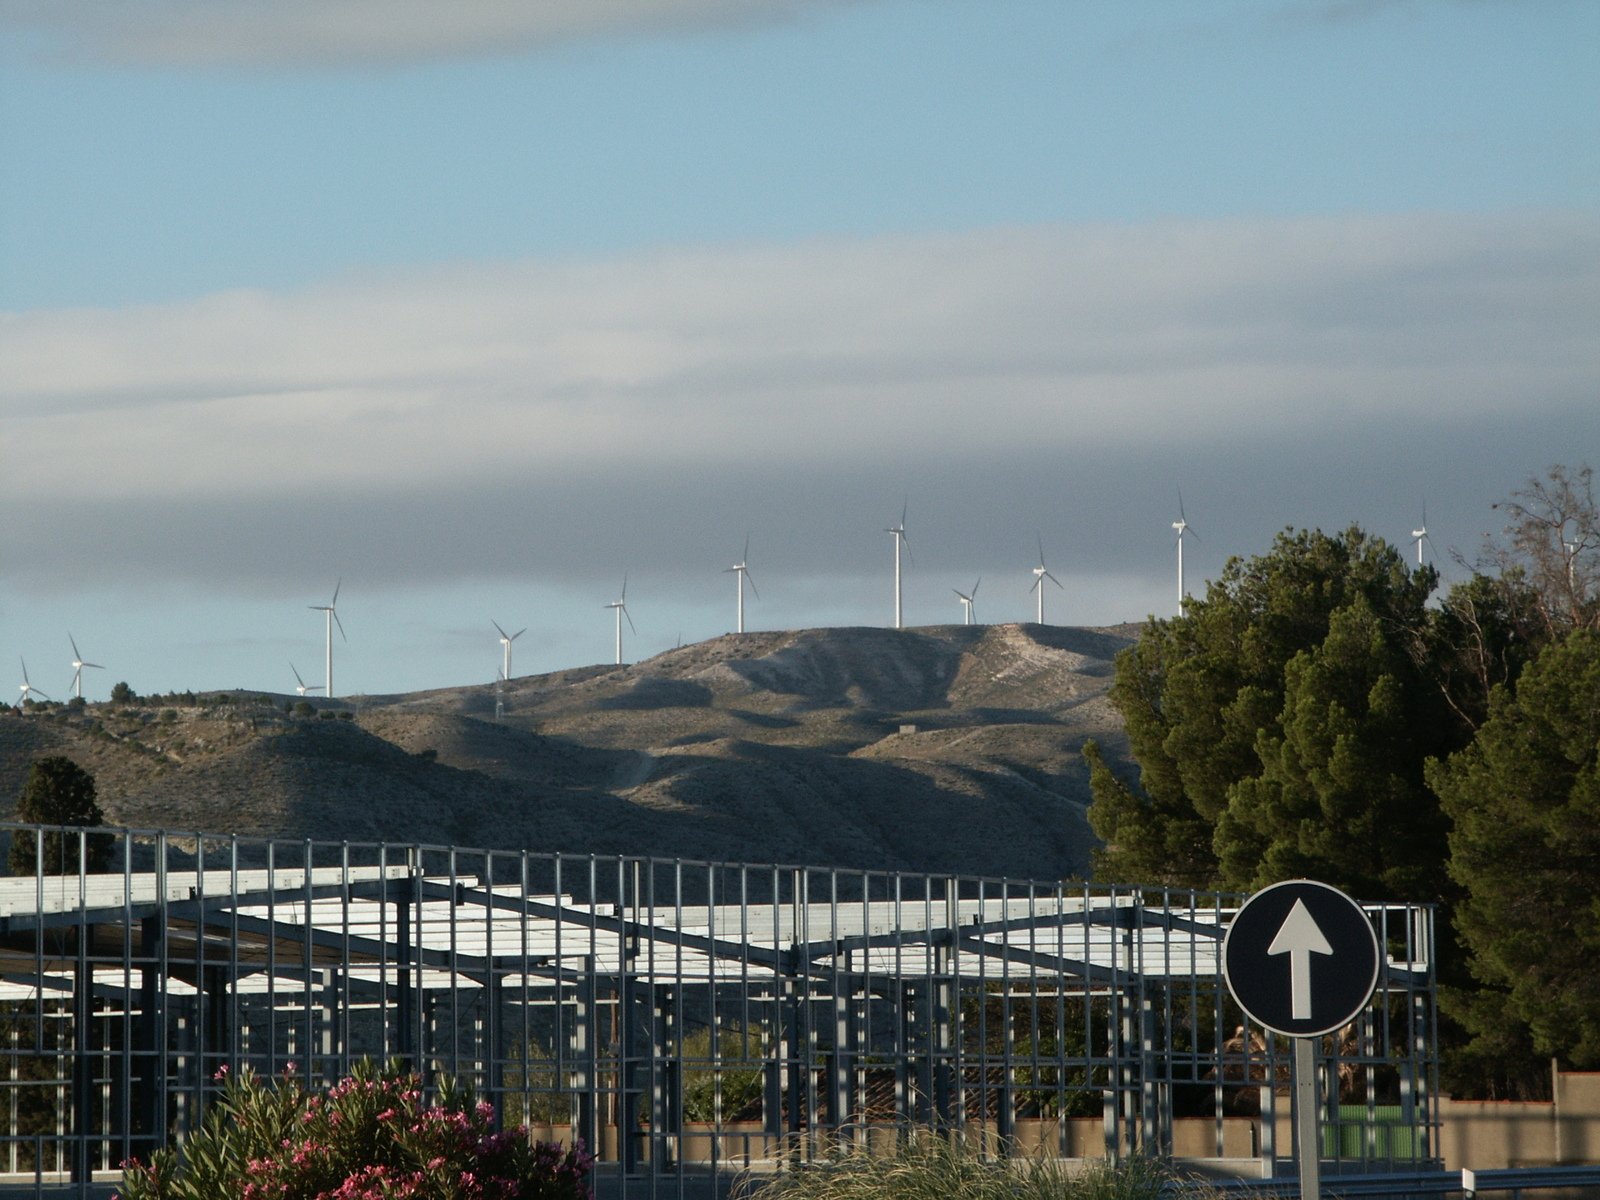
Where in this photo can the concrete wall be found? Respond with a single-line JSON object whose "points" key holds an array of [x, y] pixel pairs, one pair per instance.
{"points": [[1488, 1134]]}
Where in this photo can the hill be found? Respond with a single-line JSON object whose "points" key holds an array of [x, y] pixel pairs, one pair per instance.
{"points": [[949, 748]]}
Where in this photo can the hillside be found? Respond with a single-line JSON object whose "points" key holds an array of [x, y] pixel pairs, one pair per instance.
{"points": [[950, 748]]}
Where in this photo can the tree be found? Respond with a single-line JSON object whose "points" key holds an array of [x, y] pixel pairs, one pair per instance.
{"points": [[1340, 793], [121, 693], [1553, 543], [57, 792], [1524, 799], [1209, 701]]}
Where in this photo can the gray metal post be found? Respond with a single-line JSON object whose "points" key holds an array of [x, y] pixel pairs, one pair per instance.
{"points": [[82, 1057], [1308, 1140], [586, 1078]]}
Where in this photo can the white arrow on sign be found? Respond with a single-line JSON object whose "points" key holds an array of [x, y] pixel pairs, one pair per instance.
{"points": [[1299, 938]]}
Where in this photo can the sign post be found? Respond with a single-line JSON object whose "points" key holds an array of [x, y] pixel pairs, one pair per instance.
{"points": [[1301, 959]]}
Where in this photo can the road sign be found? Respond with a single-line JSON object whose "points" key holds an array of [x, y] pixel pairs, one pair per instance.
{"points": [[1301, 958]]}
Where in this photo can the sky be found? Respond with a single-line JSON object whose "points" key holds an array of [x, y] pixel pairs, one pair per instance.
{"points": [[478, 311]]}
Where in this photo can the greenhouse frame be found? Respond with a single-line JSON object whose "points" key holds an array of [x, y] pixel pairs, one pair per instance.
{"points": [[690, 1022]]}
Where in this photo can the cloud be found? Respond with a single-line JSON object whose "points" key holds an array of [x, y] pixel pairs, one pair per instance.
{"points": [[524, 415], [325, 32]]}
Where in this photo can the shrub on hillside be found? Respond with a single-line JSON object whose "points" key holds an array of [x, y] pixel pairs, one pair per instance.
{"points": [[369, 1137]]}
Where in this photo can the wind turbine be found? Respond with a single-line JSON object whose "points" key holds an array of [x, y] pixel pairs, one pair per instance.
{"points": [[1182, 526], [621, 605], [27, 688], [505, 640], [301, 686], [332, 611], [966, 600], [1040, 574], [1422, 534], [77, 669], [899, 532], [741, 573]]}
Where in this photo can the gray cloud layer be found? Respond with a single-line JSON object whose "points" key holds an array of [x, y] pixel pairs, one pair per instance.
{"points": [[291, 32], [570, 417]]}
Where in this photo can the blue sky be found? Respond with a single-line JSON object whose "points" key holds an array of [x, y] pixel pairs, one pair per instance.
{"points": [[479, 307]]}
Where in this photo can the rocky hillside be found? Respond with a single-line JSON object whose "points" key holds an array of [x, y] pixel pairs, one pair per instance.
{"points": [[951, 748]]}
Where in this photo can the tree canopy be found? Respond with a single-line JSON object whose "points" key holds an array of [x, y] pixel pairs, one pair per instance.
{"points": [[1315, 715], [57, 792], [1280, 727], [1524, 801]]}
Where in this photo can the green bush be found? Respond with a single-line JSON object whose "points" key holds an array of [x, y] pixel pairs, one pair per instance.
{"points": [[369, 1137], [734, 1077]]}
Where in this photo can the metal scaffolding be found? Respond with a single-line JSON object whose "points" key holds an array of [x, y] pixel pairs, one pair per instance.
{"points": [[688, 1021]]}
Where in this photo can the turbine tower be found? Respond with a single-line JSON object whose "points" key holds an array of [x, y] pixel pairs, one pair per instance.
{"points": [[505, 641], [77, 669], [1182, 526], [301, 686], [621, 605], [899, 533], [741, 573], [1040, 574], [27, 688], [966, 601], [332, 611]]}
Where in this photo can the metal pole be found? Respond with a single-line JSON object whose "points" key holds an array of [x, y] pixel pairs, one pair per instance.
{"points": [[1307, 1136]]}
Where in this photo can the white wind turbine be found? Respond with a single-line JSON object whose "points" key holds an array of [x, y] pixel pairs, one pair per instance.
{"points": [[741, 573], [1421, 534], [27, 688], [899, 533], [967, 599], [1182, 526], [77, 669], [301, 687], [505, 641], [331, 609], [621, 605], [1040, 574]]}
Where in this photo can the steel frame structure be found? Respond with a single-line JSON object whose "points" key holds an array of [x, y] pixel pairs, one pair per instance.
{"points": [[689, 1021]]}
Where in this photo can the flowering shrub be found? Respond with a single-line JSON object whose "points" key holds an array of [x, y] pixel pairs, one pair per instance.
{"points": [[369, 1137]]}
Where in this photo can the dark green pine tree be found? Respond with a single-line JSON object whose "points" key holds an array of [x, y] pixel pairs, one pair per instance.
{"points": [[1204, 694], [57, 792], [1339, 794], [1524, 798]]}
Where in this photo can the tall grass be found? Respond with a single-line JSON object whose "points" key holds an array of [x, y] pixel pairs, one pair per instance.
{"points": [[929, 1167]]}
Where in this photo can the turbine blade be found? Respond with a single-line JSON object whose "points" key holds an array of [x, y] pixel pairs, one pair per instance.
{"points": [[1052, 579], [975, 586], [1181, 517], [338, 583], [519, 633], [631, 625], [752, 583], [75, 653], [338, 622], [745, 557], [497, 629]]}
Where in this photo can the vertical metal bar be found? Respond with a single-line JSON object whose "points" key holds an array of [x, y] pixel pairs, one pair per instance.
{"points": [[1308, 1138]]}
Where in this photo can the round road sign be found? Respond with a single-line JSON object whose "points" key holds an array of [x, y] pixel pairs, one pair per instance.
{"points": [[1300, 958]]}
